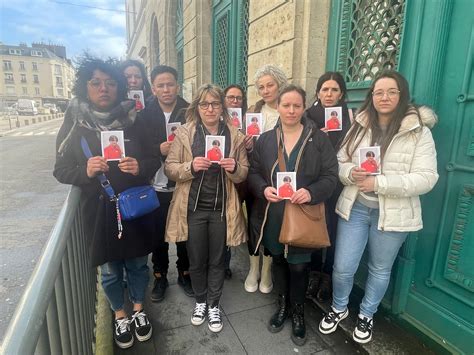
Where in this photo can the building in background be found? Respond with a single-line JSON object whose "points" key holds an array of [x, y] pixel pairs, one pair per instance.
{"points": [[41, 72], [430, 42]]}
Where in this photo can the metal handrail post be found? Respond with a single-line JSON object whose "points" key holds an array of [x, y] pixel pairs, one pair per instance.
{"points": [[25, 327]]}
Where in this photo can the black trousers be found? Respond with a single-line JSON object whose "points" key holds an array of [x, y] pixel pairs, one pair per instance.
{"points": [[206, 245], [160, 256], [290, 279], [317, 263]]}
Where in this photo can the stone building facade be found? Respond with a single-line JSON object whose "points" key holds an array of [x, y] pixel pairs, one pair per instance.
{"points": [[296, 42], [41, 72]]}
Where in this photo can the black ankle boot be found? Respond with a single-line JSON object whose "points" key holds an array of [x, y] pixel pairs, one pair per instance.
{"points": [[298, 334], [278, 319]]}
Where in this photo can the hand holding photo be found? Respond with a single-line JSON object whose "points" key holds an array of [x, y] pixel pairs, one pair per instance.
{"points": [[171, 130], [215, 148], [137, 95], [113, 147], [254, 123], [235, 117], [286, 184], [333, 118], [369, 158]]}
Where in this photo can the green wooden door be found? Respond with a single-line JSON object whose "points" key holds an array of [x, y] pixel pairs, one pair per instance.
{"points": [[435, 281], [432, 43]]}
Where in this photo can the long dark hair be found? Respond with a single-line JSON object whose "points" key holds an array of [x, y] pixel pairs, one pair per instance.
{"points": [[244, 95], [135, 63], [332, 75], [357, 131]]}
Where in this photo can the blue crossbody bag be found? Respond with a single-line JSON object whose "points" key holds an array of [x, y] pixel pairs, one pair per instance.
{"points": [[131, 203]]}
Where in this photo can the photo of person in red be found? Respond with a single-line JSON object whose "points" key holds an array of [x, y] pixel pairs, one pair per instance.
{"points": [[138, 103], [286, 190], [172, 133], [333, 122], [215, 153], [370, 164], [235, 119], [113, 150], [253, 129]]}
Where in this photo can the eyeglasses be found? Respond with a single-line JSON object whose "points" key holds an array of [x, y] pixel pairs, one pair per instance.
{"points": [[97, 83], [234, 98], [391, 94], [205, 105]]}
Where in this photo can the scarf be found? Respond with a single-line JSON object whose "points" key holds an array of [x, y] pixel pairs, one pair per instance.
{"points": [[316, 114], [80, 113]]}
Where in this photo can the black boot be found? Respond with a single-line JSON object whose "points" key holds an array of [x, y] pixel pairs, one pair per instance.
{"points": [[325, 288], [278, 319], [298, 334]]}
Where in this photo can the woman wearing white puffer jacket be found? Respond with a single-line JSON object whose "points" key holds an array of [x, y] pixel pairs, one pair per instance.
{"points": [[379, 211]]}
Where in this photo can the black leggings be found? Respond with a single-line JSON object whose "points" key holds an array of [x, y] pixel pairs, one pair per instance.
{"points": [[290, 279]]}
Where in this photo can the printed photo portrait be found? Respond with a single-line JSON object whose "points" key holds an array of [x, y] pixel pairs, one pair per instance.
{"points": [[333, 118], [235, 117], [113, 147], [171, 130], [137, 96], [215, 148], [286, 184], [254, 124], [369, 158]]}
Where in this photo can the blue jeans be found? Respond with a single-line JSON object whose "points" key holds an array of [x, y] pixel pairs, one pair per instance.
{"points": [[137, 280], [352, 238]]}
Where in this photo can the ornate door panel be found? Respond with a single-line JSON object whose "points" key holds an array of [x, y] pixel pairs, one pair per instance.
{"points": [[441, 294]]}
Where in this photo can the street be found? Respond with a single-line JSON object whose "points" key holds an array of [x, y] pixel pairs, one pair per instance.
{"points": [[30, 200]]}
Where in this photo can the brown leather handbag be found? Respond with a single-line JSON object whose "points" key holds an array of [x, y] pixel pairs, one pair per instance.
{"points": [[304, 225]]}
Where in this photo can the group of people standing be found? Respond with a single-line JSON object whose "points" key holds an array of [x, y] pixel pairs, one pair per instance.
{"points": [[202, 203]]}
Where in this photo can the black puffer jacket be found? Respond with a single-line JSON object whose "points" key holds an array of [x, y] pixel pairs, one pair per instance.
{"points": [[316, 172]]}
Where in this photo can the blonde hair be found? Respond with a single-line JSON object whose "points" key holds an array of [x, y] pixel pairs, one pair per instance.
{"points": [[192, 112]]}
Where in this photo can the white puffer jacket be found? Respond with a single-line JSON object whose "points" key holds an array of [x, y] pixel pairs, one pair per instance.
{"points": [[408, 171]]}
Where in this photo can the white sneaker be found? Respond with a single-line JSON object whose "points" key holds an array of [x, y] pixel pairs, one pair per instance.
{"points": [[329, 323], [214, 319], [199, 314]]}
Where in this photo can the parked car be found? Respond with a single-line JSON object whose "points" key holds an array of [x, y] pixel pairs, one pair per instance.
{"points": [[52, 108], [27, 107]]}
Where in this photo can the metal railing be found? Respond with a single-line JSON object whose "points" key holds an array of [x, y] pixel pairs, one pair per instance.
{"points": [[56, 314]]}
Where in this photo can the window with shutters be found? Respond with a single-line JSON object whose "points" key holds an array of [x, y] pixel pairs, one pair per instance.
{"points": [[365, 38], [230, 42], [180, 43]]}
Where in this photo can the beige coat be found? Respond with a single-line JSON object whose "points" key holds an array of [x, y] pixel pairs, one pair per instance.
{"points": [[178, 168], [408, 171]]}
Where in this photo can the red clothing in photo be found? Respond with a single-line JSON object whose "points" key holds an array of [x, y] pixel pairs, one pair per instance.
{"points": [[253, 129], [370, 166], [214, 154], [285, 190], [171, 137], [236, 122], [333, 123], [138, 105], [112, 152]]}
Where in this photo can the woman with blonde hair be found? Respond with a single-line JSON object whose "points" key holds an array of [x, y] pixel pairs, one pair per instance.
{"points": [[205, 210], [269, 79]]}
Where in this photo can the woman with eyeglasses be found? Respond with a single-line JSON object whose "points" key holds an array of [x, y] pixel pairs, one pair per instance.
{"points": [[205, 210], [101, 105], [330, 92], [378, 211], [235, 97], [268, 79]]}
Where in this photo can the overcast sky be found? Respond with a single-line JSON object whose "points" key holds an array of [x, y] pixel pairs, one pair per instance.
{"points": [[77, 24]]}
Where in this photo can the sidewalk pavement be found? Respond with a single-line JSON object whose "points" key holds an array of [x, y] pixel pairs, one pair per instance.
{"points": [[245, 318]]}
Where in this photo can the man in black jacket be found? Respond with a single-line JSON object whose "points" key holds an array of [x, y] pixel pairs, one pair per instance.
{"points": [[165, 107]]}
